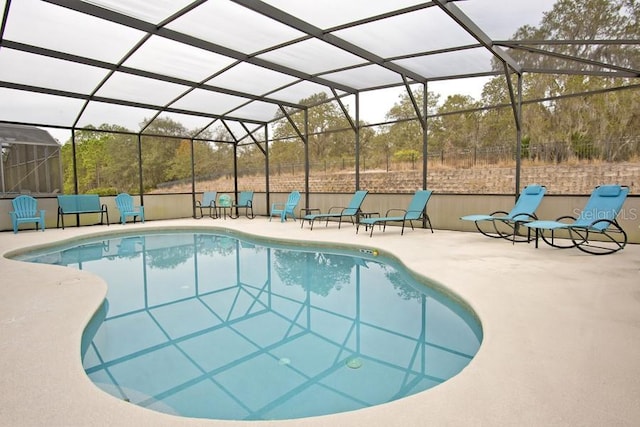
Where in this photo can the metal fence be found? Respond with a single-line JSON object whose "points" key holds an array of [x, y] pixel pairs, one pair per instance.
{"points": [[496, 156]]}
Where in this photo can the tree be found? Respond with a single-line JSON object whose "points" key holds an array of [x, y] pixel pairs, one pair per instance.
{"points": [[158, 152], [406, 134], [104, 161], [124, 161], [460, 130], [560, 126], [324, 118], [498, 124]]}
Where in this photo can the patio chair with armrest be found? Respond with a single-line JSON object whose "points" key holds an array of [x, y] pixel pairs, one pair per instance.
{"points": [[504, 224], [245, 201], [337, 212], [416, 210], [595, 231], [208, 203]]}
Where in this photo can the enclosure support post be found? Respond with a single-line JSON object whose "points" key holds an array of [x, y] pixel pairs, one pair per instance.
{"points": [[518, 135], [193, 180], [141, 181], [74, 164], [425, 99], [425, 138], [4, 189], [266, 168], [305, 141], [516, 105], [357, 131]]}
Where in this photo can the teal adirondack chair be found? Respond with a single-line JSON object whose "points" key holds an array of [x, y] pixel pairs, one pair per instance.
{"points": [[124, 203], [287, 208], [25, 209]]}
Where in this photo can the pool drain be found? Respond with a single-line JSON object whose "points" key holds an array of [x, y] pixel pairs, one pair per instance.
{"points": [[354, 363]]}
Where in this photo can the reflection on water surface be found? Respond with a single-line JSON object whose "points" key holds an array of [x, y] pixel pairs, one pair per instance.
{"points": [[208, 325]]}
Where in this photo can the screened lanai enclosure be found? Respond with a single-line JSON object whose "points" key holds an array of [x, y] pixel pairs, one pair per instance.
{"points": [[181, 96], [30, 161]]}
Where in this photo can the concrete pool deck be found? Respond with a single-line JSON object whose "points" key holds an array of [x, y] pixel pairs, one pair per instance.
{"points": [[561, 333]]}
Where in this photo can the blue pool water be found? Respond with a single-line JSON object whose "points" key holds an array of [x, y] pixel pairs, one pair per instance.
{"points": [[215, 326]]}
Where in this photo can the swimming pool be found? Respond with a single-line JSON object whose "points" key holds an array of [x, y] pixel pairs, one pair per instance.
{"points": [[214, 326]]}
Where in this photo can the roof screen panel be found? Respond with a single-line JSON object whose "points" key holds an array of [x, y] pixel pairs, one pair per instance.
{"points": [[208, 101], [366, 77], [154, 11], [421, 31], [133, 88], [26, 68], [376, 104], [45, 25], [193, 124], [168, 57], [256, 110], [454, 63], [300, 91], [31, 107], [237, 129], [253, 79], [331, 13], [312, 56], [472, 87], [227, 24], [500, 20], [130, 118]]}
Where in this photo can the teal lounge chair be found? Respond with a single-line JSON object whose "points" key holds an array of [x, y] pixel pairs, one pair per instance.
{"points": [[124, 203], [506, 224], [416, 210], [287, 208], [597, 219], [25, 210], [245, 201], [336, 212], [208, 202]]}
